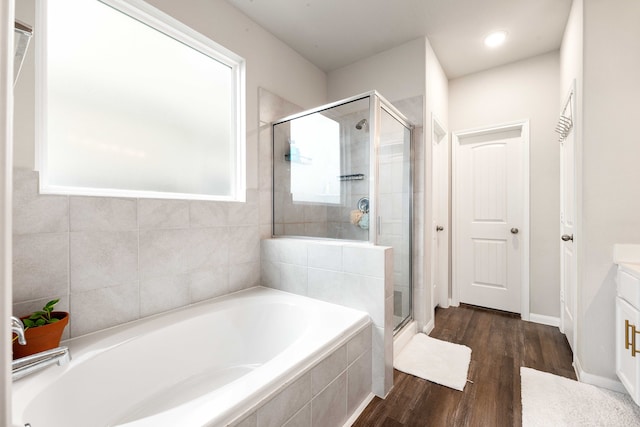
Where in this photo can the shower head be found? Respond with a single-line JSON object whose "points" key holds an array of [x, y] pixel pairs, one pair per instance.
{"points": [[362, 123]]}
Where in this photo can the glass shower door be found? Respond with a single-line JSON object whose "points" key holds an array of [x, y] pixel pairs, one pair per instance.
{"points": [[394, 208]]}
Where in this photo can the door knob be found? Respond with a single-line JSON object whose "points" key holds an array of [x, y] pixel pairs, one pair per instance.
{"points": [[439, 228], [567, 237], [514, 230]]}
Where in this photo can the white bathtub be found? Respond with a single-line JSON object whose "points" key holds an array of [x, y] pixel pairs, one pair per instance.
{"points": [[206, 365]]}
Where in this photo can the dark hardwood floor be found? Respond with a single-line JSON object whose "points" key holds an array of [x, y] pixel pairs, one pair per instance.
{"points": [[501, 343]]}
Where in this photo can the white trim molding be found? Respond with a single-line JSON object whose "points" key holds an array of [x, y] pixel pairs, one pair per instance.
{"points": [[429, 327], [597, 380], [544, 320], [402, 338]]}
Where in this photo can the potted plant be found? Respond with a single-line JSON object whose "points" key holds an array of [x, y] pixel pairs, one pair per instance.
{"points": [[42, 330]]}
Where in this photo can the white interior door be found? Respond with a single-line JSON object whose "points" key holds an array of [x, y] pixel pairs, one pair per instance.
{"points": [[440, 215], [568, 260], [491, 220]]}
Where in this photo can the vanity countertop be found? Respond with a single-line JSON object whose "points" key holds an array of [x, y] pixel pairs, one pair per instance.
{"points": [[631, 268]]}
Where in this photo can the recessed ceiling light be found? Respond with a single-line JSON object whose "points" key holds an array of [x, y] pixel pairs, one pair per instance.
{"points": [[495, 39]]}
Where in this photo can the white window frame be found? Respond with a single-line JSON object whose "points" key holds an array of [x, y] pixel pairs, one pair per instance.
{"points": [[175, 29]]}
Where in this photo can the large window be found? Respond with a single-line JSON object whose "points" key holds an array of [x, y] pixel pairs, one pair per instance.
{"points": [[134, 103]]}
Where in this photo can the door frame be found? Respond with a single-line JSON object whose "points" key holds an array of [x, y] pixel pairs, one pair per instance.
{"points": [[439, 137], [523, 126]]}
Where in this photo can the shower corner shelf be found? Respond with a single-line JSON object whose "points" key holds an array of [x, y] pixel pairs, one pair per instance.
{"points": [[352, 177]]}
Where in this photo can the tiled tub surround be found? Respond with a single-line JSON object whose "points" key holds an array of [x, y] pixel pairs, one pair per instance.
{"points": [[298, 361], [113, 260], [356, 275]]}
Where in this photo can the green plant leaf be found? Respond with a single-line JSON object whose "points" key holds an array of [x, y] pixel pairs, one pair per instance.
{"points": [[41, 322], [53, 320], [49, 306], [28, 323]]}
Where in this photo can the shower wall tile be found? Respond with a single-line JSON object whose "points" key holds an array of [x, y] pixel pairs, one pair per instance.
{"points": [[164, 253], [103, 308], [358, 345], [325, 256], [207, 284], [359, 380], [100, 259], [208, 214], [250, 421], [350, 274], [330, 406], [175, 252], [285, 404], [163, 293], [245, 213], [362, 260], [132, 257], [326, 285], [293, 278], [243, 276], [34, 213], [102, 214], [266, 207], [40, 265], [366, 294], [296, 229], [157, 213], [327, 370], [302, 418], [269, 273], [266, 231], [245, 246]]}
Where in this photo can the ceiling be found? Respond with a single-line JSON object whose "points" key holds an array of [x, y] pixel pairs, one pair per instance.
{"points": [[335, 33]]}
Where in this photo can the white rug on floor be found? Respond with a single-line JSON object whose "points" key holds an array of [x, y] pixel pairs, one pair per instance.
{"points": [[550, 400], [434, 360]]}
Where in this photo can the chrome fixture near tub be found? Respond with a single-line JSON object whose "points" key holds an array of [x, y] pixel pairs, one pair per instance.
{"points": [[36, 362], [17, 327], [362, 123]]}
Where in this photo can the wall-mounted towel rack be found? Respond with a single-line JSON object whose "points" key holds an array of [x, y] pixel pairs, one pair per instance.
{"points": [[565, 123]]}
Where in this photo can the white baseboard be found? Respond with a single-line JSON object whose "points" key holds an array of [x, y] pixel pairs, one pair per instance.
{"points": [[402, 338], [544, 320], [597, 380], [352, 419], [429, 327]]}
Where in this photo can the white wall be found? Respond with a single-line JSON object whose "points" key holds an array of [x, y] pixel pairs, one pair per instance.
{"points": [[526, 89], [436, 105], [397, 74], [610, 169]]}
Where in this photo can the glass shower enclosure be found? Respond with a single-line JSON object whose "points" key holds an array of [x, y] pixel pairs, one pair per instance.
{"points": [[344, 171]]}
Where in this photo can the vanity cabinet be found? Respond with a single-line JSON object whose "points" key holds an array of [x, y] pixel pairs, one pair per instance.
{"points": [[628, 328]]}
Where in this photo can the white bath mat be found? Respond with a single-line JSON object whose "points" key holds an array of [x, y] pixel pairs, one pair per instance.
{"points": [[550, 400], [434, 360]]}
